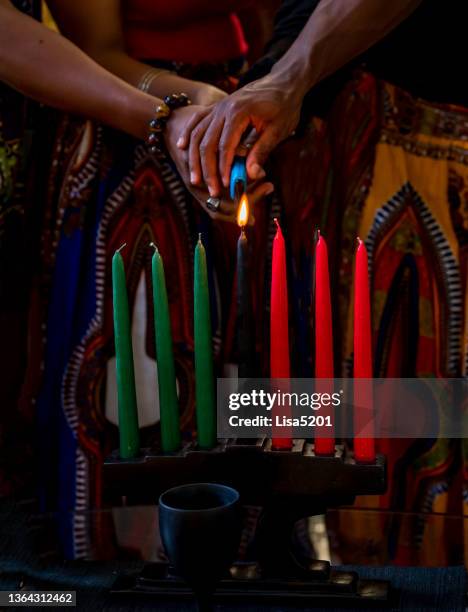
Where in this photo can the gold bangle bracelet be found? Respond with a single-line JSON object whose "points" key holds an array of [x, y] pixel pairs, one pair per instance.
{"points": [[148, 77]]}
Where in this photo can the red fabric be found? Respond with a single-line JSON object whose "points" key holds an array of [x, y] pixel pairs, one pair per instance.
{"points": [[189, 31]]}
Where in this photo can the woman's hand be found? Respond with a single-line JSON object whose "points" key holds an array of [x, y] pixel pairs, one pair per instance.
{"points": [[184, 119], [206, 94], [200, 93], [268, 106]]}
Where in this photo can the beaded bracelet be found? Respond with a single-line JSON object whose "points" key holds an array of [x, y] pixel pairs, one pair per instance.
{"points": [[155, 139]]}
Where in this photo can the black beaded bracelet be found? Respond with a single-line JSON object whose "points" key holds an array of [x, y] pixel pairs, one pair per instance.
{"points": [[155, 139]]}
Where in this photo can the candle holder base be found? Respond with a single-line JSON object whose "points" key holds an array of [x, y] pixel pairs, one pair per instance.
{"points": [[318, 586], [287, 484]]}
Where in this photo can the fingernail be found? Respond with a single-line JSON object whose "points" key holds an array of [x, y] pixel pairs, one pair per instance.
{"points": [[180, 142], [256, 171], [193, 178], [213, 192]]}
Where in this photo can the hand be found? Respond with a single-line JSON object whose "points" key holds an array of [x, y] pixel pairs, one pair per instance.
{"points": [[182, 120], [207, 95], [264, 105]]}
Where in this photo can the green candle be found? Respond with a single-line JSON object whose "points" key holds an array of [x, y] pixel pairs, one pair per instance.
{"points": [[168, 404], [126, 392], [204, 380]]}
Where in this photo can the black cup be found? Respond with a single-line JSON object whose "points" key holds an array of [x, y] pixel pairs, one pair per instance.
{"points": [[200, 528]]}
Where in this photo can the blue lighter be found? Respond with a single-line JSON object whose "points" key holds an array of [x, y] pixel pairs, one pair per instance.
{"points": [[238, 182]]}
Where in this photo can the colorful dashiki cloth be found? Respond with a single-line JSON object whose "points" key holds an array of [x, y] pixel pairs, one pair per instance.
{"points": [[106, 189], [393, 169], [20, 217]]}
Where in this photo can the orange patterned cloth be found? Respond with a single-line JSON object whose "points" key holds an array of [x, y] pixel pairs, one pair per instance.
{"points": [[393, 169]]}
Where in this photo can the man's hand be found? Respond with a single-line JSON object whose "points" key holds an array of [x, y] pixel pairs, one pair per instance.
{"points": [[264, 105], [205, 94], [333, 35], [182, 120]]}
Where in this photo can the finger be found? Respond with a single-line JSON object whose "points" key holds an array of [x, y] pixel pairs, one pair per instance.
{"points": [[260, 152], [260, 191], [242, 150], [234, 127], [251, 138], [227, 210], [184, 137], [229, 215], [209, 156], [256, 195], [246, 146], [248, 140], [194, 151]]}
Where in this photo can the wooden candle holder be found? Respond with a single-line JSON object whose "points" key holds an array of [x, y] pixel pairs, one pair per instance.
{"points": [[288, 485], [260, 473]]}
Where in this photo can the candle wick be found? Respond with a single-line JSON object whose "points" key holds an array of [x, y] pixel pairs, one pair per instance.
{"points": [[277, 222], [199, 237], [122, 247], [154, 247], [359, 241]]}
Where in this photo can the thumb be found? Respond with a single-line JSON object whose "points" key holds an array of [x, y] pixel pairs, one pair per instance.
{"points": [[261, 151]]}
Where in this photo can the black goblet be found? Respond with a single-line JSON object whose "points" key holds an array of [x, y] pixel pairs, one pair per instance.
{"points": [[200, 528]]}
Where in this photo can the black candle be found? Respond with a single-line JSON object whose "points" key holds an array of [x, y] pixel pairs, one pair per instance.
{"points": [[245, 327]]}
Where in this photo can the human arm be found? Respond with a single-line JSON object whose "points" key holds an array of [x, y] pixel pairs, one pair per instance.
{"points": [[228, 208], [47, 67], [335, 33], [96, 27]]}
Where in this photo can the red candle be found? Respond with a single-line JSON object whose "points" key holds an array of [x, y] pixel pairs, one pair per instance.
{"points": [[279, 327], [324, 436], [364, 447]]}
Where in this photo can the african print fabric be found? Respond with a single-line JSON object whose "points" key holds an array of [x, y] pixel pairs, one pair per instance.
{"points": [[393, 169], [106, 190], [20, 124]]}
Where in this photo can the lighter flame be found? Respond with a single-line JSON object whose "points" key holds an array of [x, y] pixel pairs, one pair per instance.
{"points": [[243, 212]]}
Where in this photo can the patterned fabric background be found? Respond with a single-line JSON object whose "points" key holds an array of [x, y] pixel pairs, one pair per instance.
{"points": [[20, 213]]}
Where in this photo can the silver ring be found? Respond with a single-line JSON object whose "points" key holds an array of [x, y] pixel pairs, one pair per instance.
{"points": [[213, 204]]}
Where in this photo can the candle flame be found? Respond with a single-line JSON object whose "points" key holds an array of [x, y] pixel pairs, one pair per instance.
{"points": [[243, 212]]}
